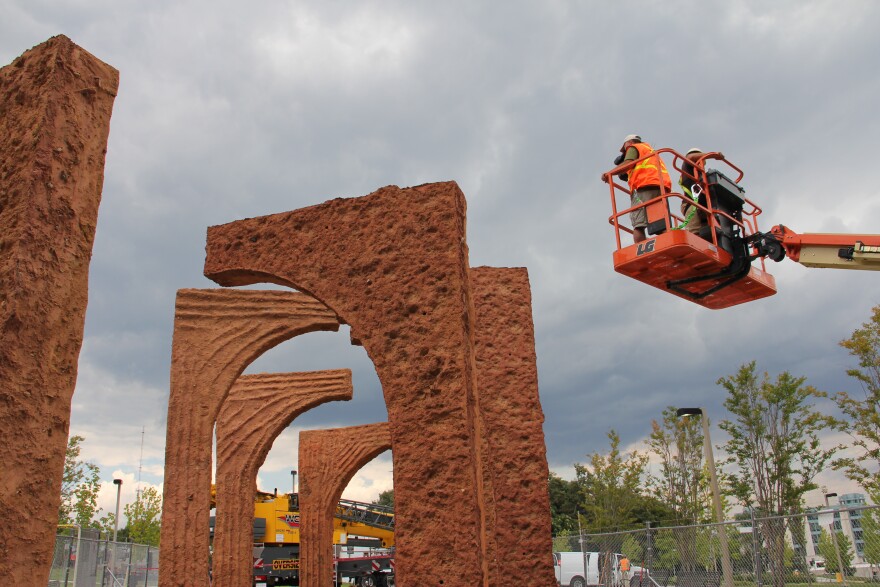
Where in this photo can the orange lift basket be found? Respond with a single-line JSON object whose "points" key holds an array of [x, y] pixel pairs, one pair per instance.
{"points": [[715, 268]]}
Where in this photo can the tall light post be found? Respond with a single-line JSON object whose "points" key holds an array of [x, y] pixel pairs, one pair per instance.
{"points": [[581, 542], [726, 569], [841, 574], [118, 484], [112, 565]]}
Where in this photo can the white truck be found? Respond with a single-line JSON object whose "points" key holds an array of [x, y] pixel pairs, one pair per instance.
{"points": [[580, 569]]}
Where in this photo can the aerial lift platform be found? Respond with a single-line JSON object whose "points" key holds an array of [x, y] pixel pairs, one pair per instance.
{"points": [[724, 264]]}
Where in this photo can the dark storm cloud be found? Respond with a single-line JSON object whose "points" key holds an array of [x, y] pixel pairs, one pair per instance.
{"points": [[228, 111]]}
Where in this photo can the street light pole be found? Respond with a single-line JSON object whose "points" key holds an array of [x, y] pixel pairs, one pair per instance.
{"points": [[112, 565], [118, 484], [726, 569], [581, 542], [834, 539]]}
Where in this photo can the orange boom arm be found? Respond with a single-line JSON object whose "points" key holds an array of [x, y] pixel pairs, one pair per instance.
{"points": [[835, 251]]}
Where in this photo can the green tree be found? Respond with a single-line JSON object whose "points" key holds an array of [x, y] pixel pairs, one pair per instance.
{"points": [[612, 489], [871, 535], [386, 498], [565, 496], [650, 509], [666, 555], [611, 486], [774, 449], [844, 546], [107, 523], [681, 483], [144, 517], [632, 549], [708, 546], [566, 542], [862, 414], [80, 484]]}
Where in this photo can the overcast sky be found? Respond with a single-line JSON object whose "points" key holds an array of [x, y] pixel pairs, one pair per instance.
{"points": [[229, 110]]}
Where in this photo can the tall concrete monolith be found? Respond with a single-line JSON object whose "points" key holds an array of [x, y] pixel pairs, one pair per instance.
{"points": [[55, 107], [515, 474]]}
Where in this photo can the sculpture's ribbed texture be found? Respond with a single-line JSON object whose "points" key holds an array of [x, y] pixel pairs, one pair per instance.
{"points": [[328, 459], [255, 412], [217, 333]]}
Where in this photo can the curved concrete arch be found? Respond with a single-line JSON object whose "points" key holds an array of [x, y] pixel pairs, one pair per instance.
{"points": [[217, 334], [394, 266], [328, 459], [258, 408]]}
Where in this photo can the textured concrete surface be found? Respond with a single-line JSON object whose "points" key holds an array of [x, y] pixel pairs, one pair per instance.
{"points": [[394, 266], [515, 476], [217, 334], [328, 459], [257, 409], [55, 106]]}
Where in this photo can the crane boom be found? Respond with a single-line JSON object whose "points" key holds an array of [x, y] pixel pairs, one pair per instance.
{"points": [[833, 251]]}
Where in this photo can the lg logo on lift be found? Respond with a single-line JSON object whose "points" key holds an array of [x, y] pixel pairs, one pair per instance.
{"points": [[645, 247]]}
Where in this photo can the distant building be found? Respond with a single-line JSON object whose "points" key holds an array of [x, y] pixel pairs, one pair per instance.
{"points": [[846, 520]]}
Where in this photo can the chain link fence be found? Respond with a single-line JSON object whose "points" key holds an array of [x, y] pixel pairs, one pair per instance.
{"points": [[82, 559], [775, 551]]}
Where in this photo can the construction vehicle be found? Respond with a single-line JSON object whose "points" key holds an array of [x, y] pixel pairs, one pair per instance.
{"points": [[717, 268], [363, 539]]}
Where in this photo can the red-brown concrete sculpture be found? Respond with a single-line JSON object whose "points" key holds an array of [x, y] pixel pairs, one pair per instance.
{"points": [[255, 412], [55, 106], [217, 333], [516, 472], [328, 459], [394, 266]]}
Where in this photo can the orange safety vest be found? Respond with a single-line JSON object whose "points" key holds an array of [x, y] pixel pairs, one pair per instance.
{"points": [[645, 173], [624, 564]]}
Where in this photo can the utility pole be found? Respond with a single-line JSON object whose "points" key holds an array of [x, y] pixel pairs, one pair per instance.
{"points": [[726, 568]]}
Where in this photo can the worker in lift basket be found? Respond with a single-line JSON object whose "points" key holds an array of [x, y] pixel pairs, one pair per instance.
{"points": [[694, 218], [644, 180]]}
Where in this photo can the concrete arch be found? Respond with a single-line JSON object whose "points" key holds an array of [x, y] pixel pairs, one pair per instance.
{"points": [[217, 334], [394, 266], [328, 459], [255, 412]]}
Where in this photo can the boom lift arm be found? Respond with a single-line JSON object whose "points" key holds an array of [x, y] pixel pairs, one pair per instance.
{"points": [[833, 251]]}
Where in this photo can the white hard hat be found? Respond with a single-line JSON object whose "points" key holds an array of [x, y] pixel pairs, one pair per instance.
{"points": [[694, 150], [632, 138]]}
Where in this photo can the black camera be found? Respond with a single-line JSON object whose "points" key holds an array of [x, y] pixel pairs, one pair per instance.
{"points": [[617, 161]]}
